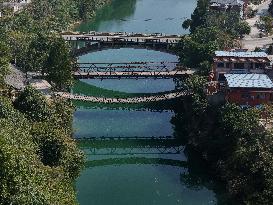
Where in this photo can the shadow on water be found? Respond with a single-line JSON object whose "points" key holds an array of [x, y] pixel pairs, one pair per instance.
{"points": [[135, 160], [198, 176], [127, 152], [91, 90], [193, 173]]}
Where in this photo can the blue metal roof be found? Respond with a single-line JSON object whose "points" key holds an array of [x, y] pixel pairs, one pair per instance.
{"points": [[248, 81], [240, 54], [229, 2]]}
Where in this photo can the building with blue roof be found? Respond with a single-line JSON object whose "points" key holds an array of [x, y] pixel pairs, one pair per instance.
{"points": [[249, 89], [239, 62]]}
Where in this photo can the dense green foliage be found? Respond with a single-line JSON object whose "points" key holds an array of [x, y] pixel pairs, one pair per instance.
{"points": [[199, 47], [39, 160], [198, 18], [59, 64], [33, 39], [236, 146], [48, 54], [234, 143], [46, 16], [4, 61], [228, 22], [210, 31], [267, 23]]}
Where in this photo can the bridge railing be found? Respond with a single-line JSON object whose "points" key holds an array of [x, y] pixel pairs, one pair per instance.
{"points": [[126, 67]]}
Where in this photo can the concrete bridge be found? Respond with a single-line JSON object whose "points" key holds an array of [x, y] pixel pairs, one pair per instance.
{"points": [[96, 41], [131, 100]]}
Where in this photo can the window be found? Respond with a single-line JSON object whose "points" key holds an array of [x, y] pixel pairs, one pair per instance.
{"points": [[271, 97], [239, 65], [260, 96], [220, 65], [258, 65], [227, 65], [245, 96], [221, 77]]}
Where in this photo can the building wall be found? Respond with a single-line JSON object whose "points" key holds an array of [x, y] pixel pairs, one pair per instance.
{"points": [[246, 68], [249, 97]]}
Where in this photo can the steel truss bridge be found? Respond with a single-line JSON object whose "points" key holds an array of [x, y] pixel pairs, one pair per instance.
{"points": [[131, 70]]}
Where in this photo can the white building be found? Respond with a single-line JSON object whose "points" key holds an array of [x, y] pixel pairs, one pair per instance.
{"points": [[15, 6], [229, 5]]}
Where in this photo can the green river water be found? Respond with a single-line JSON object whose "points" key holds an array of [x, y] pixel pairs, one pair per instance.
{"points": [[135, 169]]}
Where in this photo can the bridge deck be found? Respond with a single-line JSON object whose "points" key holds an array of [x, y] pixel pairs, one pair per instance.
{"points": [[141, 38], [133, 100]]}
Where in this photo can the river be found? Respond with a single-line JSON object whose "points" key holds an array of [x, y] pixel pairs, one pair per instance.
{"points": [[129, 164]]}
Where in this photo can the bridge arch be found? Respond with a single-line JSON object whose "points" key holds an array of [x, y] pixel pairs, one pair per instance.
{"points": [[95, 47]]}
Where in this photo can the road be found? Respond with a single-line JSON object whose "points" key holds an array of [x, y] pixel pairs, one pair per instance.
{"points": [[252, 40]]}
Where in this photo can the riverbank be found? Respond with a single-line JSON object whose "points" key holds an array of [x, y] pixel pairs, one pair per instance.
{"points": [[91, 14], [234, 145], [230, 139]]}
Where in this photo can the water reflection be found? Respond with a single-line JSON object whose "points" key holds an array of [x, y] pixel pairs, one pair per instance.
{"points": [[146, 16], [138, 181], [150, 170], [127, 55], [134, 171], [134, 85], [121, 123], [135, 160]]}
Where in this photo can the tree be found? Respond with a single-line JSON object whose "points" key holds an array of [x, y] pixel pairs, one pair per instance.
{"points": [[249, 161], [33, 104], [37, 53], [199, 46], [243, 28], [198, 16], [25, 178], [60, 64], [5, 58], [268, 21]]}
